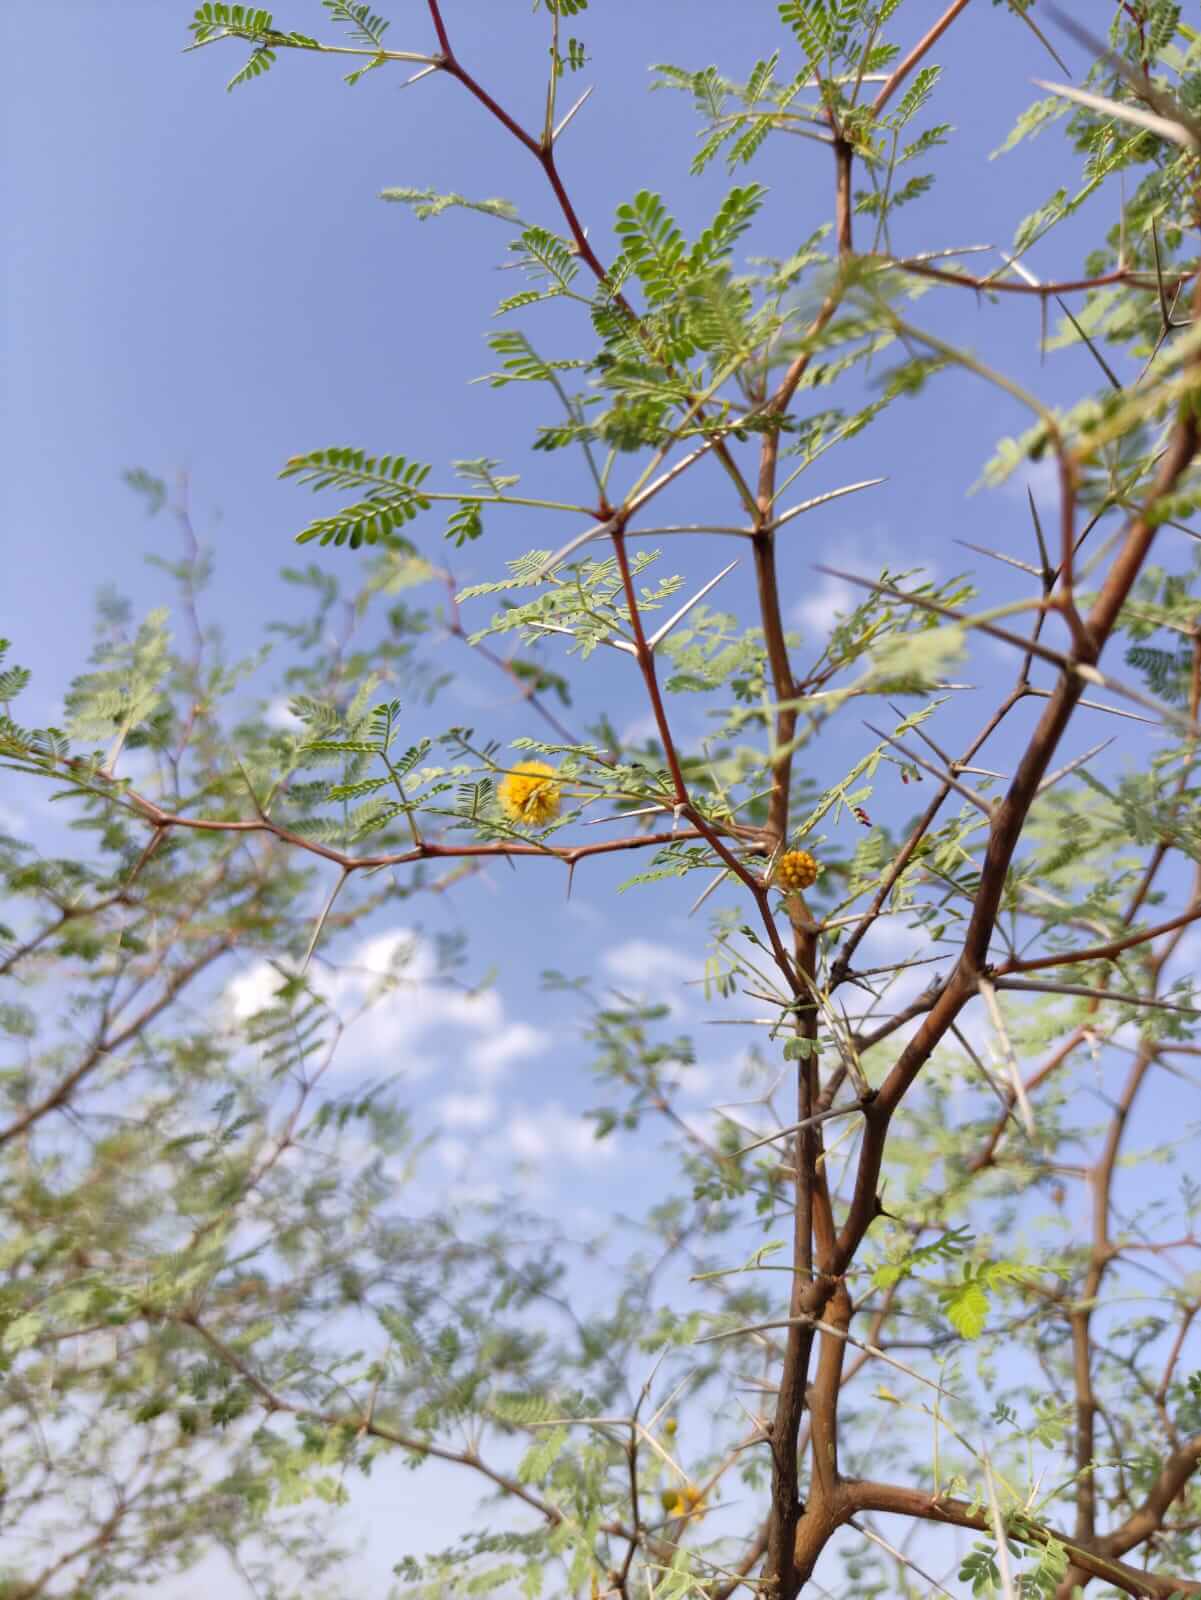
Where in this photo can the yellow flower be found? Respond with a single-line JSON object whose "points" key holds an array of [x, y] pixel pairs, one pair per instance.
{"points": [[796, 869], [530, 793], [679, 1502]]}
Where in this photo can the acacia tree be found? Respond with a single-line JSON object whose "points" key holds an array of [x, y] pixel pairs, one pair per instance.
{"points": [[212, 1307]]}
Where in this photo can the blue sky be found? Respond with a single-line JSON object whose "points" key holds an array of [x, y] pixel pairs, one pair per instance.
{"points": [[208, 281]]}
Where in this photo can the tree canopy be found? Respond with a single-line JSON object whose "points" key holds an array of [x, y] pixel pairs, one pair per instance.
{"points": [[904, 1313]]}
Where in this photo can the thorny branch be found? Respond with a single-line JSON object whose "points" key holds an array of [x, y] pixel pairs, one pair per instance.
{"points": [[824, 1247]]}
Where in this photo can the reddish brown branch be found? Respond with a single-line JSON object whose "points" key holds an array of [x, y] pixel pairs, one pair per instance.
{"points": [[1004, 834], [812, 1216], [862, 1495], [767, 583], [766, 578], [1099, 952], [424, 851], [646, 664], [990, 283], [843, 207], [1172, 1479], [703, 828], [544, 154], [922, 48], [842, 965]]}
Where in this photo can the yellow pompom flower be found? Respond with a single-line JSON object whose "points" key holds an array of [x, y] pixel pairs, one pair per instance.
{"points": [[530, 793], [680, 1502], [796, 869]]}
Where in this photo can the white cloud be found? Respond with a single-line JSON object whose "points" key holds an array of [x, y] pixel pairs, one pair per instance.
{"points": [[479, 696], [389, 990], [403, 1018], [646, 966], [551, 1131], [691, 1080], [816, 613], [1039, 478], [462, 1183], [278, 715], [13, 822], [453, 1153], [897, 940], [647, 970], [515, 1041], [252, 990], [538, 1147], [404, 962], [865, 554], [466, 1110]]}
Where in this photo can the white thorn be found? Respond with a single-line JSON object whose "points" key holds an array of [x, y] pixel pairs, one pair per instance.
{"points": [[560, 555], [1062, 772], [568, 116], [1163, 126], [557, 627], [623, 816], [700, 594], [821, 499], [1015, 265]]}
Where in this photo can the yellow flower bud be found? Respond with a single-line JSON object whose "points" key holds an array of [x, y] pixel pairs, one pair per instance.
{"points": [[679, 1502], [796, 869]]}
